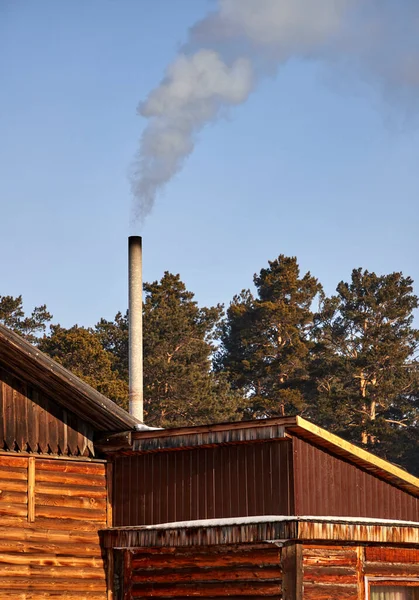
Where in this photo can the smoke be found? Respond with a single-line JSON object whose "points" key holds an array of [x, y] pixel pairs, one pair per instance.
{"points": [[193, 93], [231, 49]]}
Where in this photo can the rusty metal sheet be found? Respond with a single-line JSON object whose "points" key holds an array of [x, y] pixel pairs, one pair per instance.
{"points": [[137, 537], [203, 483], [361, 532], [232, 433]]}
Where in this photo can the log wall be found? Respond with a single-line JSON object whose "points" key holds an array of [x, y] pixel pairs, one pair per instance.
{"points": [[331, 572], [349, 572], [207, 572], [294, 572], [50, 514]]}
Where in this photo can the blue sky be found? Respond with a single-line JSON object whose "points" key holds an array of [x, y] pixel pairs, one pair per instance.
{"points": [[316, 164]]}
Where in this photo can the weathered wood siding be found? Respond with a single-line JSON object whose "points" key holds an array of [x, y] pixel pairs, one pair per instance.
{"points": [[391, 562], [346, 572], [50, 514], [327, 485], [32, 421], [295, 571], [203, 483], [389, 565], [211, 572], [331, 572]]}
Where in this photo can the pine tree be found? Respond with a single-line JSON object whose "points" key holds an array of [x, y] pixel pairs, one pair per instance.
{"points": [[265, 340], [114, 337], [12, 316], [364, 365], [79, 350], [403, 448], [179, 386]]}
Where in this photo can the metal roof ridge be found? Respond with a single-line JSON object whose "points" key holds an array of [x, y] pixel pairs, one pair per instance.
{"points": [[211, 427]]}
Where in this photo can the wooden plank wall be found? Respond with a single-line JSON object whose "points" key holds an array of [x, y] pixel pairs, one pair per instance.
{"points": [[31, 421], [205, 572], [342, 572], [50, 514]]}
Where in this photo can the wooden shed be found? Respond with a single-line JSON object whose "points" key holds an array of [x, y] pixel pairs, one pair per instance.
{"points": [[91, 508], [281, 466], [276, 508], [53, 486]]}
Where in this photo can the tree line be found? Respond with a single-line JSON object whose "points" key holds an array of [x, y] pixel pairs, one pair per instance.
{"points": [[348, 362]]}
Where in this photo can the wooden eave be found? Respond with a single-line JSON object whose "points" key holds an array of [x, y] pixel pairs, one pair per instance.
{"points": [[29, 364], [181, 438], [271, 529]]}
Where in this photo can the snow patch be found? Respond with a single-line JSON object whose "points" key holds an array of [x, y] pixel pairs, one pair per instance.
{"points": [[144, 427], [232, 521]]}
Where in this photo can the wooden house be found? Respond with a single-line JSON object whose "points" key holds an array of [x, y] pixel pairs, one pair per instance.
{"points": [[53, 485], [92, 508]]}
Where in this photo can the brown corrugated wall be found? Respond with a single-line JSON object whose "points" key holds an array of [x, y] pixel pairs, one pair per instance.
{"points": [[281, 477], [203, 483], [327, 485]]}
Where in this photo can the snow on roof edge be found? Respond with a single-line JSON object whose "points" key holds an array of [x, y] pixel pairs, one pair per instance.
{"points": [[231, 521]]}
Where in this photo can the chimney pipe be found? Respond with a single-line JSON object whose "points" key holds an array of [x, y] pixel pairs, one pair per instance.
{"points": [[135, 293]]}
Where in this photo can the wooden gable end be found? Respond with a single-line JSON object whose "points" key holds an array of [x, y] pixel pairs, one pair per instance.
{"points": [[32, 421]]}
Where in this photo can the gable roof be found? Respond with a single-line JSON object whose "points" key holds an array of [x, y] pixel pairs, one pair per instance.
{"points": [[41, 371], [350, 452], [261, 430]]}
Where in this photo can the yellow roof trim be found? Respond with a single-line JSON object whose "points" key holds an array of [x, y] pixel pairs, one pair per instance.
{"points": [[377, 466]]}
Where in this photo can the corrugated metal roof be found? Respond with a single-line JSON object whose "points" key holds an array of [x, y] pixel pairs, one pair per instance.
{"points": [[180, 438], [260, 431]]}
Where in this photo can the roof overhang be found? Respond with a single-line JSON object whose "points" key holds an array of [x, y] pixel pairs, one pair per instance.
{"points": [[28, 363], [262, 430], [181, 438], [256, 530]]}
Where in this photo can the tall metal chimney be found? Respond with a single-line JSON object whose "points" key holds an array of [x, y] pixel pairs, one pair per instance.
{"points": [[135, 301]]}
